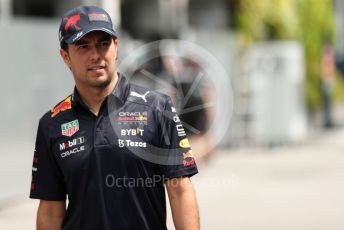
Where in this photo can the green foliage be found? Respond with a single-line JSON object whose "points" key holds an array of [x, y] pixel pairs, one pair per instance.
{"points": [[264, 19], [309, 21]]}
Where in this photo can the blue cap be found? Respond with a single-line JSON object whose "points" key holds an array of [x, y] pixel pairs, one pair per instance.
{"points": [[82, 20]]}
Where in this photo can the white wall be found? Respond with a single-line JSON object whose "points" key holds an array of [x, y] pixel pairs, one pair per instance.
{"points": [[33, 77]]}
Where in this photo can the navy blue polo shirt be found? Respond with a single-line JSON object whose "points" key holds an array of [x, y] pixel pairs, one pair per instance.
{"points": [[112, 167]]}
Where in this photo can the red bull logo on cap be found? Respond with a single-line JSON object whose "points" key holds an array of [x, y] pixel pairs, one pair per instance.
{"points": [[72, 21], [63, 106]]}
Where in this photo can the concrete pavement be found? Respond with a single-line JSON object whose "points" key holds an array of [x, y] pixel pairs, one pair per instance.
{"points": [[293, 187]]}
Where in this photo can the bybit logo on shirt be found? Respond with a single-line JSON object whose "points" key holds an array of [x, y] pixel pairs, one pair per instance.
{"points": [[132, 132]]}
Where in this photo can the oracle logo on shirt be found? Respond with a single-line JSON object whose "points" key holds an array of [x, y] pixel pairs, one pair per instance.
{"points": [[132, 117]]}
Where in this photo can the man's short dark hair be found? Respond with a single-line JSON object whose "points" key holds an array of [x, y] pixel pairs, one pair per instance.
{"points": [[64, 46]]}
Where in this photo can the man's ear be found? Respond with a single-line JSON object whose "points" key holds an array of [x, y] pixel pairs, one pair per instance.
{"points": [[65, 56], [115, 41]]}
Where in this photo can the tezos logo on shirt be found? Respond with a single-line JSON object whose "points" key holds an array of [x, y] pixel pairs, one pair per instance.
{"points": [[130, 143]]}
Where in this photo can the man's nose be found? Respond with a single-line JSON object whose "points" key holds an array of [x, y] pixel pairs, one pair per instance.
{"points": [[94, 52]]}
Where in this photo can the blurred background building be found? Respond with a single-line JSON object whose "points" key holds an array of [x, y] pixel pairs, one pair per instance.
{"points": [[271, 53]]}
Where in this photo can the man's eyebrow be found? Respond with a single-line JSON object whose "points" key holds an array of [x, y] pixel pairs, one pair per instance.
{"points": [[106, 37]]}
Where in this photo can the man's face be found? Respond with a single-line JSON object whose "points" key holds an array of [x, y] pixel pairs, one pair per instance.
{"points": [[92, 59]]}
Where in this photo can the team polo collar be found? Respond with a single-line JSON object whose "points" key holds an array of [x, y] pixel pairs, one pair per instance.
{"points": [[121, 91], [76, 98]]}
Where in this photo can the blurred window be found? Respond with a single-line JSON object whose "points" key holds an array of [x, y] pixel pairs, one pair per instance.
{"points": [[35, 8]]}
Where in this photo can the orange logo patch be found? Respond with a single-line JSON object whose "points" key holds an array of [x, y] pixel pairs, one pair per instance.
{"points": [[188, 154], [63, 106]]}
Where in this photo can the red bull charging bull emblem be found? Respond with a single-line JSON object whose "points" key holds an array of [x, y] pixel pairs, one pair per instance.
{"points": [[63, 106], [72, 21]]}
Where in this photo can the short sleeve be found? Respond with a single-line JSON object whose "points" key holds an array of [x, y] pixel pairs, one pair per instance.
{"points": [[47, 180], [174, 141]]}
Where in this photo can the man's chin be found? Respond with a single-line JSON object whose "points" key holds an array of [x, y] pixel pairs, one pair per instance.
{"points": [[100, 82]]}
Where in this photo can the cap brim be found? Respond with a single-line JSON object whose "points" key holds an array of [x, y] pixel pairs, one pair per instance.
{"points": [[81, 34]]}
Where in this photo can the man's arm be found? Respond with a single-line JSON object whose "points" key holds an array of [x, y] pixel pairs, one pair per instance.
{"points": [[50, 214], [183, 203]]}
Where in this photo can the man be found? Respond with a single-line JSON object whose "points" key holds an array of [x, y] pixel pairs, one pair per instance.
{"points": [[112, 147]]}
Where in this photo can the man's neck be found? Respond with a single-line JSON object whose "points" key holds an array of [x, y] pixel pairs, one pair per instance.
{"points": [[93, 97]]}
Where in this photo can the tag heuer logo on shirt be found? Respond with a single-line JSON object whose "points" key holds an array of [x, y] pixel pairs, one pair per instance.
{"points": [[68, 129]]}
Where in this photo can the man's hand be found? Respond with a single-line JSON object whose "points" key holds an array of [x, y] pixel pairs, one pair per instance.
{"points": [[50, 214], [183, 204]]}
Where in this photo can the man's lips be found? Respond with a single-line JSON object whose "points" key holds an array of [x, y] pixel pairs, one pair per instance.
{"points": [[94, 68]]}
